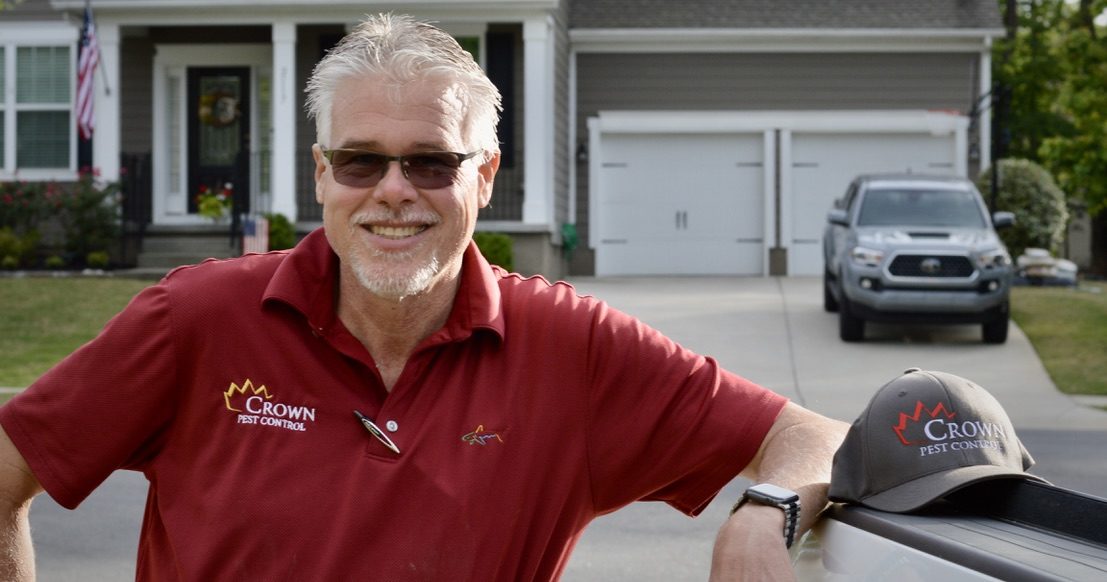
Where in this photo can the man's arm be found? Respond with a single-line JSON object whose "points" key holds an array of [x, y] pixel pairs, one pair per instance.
{"points": [[796, 454], [17, 487]]}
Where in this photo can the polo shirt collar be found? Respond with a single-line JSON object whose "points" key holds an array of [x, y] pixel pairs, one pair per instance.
{"points": [[307, 277]]}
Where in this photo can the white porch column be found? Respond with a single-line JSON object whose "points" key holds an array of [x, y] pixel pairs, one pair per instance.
{"points": [[106, 140], [539, 141], [283, 179]]}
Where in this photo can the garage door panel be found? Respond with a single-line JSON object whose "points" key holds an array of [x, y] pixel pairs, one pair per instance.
{"points": [[680, 258], [823, 166], [680, 204]]}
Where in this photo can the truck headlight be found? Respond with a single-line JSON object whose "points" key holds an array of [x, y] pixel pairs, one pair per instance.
{"points": [[993, 259], [866, 257]]}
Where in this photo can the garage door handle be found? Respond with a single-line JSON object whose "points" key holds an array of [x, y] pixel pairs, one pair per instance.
{"points": [[751, 240], [614, 241]]}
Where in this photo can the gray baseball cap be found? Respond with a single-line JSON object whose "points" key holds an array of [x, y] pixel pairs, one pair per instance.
{"points": [[923, 436]]}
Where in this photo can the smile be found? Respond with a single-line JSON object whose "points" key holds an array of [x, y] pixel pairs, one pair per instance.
{"points": [[396, 232]]}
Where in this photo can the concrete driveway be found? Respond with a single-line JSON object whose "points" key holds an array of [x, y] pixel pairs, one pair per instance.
{"points": [[774, 331]]}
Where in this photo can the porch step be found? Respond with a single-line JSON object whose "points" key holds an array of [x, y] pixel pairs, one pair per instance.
{"points": [[166, 247]]}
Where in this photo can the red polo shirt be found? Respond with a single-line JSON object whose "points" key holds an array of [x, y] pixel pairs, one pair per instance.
{"points": [[231, 385]]}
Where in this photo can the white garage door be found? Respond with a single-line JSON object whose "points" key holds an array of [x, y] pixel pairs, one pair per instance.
{"points": [[680, 204], [824, 164]]}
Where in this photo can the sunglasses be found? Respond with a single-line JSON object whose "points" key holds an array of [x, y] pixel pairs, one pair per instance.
{"points": [[363, 168]]}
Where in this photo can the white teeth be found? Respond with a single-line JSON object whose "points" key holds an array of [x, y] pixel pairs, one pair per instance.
{"points": [[396, 232]]}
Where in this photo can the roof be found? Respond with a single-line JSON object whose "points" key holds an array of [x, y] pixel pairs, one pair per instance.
{"points": [[786, 14]]}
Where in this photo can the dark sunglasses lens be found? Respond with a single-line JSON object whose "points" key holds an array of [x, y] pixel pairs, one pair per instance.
{"points": [[431, 170], [357, 169]]}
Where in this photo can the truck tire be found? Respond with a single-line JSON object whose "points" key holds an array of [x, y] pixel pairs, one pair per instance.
{"points": [[850, 327], [830, 304], [995, 331]]}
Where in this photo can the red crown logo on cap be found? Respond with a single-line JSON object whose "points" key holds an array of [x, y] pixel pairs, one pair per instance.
{"points": [[900, 428]]}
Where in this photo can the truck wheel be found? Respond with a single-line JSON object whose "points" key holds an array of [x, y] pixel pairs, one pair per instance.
{"points": [[830, 304], [850, 327], [995, 331]]}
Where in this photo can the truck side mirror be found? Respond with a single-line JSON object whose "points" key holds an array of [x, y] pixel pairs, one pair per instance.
{"points": [[1003, 219], [837, 216]]}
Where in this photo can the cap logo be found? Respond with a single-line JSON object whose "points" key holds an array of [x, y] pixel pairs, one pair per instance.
{"points": [[936, 432], [903, 427]]}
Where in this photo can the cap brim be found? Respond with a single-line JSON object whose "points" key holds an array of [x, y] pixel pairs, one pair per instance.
{"points": [[923, 490]]}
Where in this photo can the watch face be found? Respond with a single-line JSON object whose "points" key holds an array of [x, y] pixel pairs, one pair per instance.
{"points": [[767, 492]]}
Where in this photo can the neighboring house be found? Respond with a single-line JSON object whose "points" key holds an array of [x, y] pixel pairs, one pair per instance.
{"points": [[692, 137]]}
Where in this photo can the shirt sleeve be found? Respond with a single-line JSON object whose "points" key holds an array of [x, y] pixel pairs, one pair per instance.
{"points": [[666, 424], [103, 407]]}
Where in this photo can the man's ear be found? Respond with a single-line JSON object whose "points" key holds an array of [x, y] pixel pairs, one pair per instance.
{"points": [[486, 176], [320, 169]]}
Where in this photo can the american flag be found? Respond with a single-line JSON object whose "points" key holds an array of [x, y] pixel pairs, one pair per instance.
{"points": [[86, 66], [255, 235]]}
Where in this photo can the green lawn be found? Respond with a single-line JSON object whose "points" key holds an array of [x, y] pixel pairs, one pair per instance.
{"points": [[43, 319], [1068, 328]]}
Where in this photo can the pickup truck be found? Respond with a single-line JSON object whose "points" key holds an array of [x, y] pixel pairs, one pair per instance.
{"points": [[1010, 530], [915, 249]]}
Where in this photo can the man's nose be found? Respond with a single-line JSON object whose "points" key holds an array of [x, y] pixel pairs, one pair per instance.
{"points": [[394, 187]]}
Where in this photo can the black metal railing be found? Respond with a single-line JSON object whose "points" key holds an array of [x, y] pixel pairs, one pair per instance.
{"points": [[136, 184]]}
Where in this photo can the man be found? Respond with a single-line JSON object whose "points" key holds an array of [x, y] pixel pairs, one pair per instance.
{"points": [[380, 403]]}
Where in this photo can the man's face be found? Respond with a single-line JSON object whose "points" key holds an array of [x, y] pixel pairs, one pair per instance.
{"points": [[395, 238]]}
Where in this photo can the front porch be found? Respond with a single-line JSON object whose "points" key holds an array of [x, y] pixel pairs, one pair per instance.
{"points": [[161, 112]]}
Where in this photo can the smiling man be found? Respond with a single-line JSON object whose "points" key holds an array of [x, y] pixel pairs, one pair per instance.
{"points": [[380, 403]]}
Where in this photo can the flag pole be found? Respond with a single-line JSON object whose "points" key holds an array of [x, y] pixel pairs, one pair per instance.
{"points": [[103, 73]]}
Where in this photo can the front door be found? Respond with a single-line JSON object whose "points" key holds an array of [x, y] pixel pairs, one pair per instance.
{"points": [[219, 133]]}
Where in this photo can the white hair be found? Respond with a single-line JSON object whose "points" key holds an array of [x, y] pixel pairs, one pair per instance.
{"points": [[400, 50]]}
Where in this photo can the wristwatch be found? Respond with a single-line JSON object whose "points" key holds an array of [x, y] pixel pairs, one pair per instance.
{"points": [[775, 496]]}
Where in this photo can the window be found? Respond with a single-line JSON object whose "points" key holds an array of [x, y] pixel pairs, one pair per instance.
{"points": [[42, 107], [38, 134]]}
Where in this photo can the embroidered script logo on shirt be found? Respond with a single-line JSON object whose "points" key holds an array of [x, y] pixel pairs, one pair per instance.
{"points": [[481, 437], [255, 405]]}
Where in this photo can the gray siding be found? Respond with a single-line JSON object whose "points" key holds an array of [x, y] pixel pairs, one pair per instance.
{"points": [[35, 10], [136, 94], [561, 117], [786, 14], [775, 81]]}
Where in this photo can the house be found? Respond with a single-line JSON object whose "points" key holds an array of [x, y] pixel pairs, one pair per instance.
{"points": [[639, 136]]}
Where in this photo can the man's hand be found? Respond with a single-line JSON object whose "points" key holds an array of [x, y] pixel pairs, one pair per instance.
{"points": [[750, 546], [796, 454]]}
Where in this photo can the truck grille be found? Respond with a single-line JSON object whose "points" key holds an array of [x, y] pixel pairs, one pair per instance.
{"points": [[930, 266]]}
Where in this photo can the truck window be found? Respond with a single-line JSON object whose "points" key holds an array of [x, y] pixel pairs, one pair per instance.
{"points": [[911, 207]]}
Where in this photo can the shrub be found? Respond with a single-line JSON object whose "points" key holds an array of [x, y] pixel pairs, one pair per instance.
{"points": [[1041, 214], [24, 204], [282, 235], [55, 262], [19, 247], [497, 248], [97, 259], [90, 214]]}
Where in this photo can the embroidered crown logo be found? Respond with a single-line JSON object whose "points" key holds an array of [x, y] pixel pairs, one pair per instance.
{"points": [[236, 395], [903, 428]]}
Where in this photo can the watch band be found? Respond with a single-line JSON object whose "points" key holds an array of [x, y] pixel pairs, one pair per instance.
{"points": [[787, 500]]}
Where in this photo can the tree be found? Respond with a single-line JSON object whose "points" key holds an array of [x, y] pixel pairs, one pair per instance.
{"points": [[1055, 65]]}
